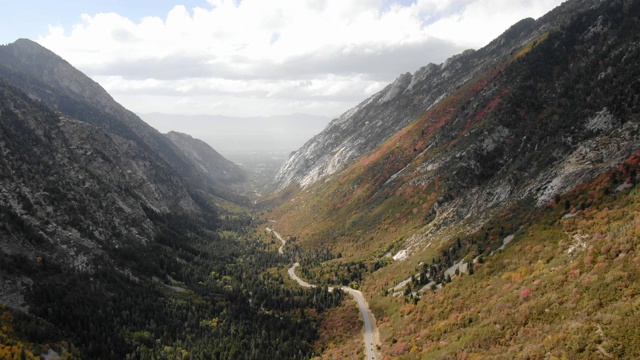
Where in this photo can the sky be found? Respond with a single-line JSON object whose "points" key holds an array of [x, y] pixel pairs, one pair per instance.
{"points": [[256, 57]]}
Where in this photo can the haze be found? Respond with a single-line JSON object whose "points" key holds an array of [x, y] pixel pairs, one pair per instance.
{"points": [[254, 58]]}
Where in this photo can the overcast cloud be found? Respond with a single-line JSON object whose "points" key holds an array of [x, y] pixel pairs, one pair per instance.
{"points": [[262, 58]]}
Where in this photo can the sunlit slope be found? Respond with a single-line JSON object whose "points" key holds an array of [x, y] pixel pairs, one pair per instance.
{"points": [[565, 287], [560, 111], [541, 151]]}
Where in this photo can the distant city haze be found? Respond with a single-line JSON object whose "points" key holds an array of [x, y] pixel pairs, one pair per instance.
{"points": [[234, 135]]}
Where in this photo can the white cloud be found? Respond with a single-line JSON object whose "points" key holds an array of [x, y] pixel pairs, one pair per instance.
{"points": [[252, 56], [481, 21]]}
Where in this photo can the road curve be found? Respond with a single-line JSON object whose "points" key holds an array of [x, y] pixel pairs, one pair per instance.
{"points": [[367, 316], [281, 248], [292, 274]]}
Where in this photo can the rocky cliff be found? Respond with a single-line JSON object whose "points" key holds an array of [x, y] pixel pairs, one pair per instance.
{"points": [[557, 112], [365, 127], [70, 190]]}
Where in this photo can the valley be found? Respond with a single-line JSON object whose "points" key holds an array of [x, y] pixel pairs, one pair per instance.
{"points": [[485, 207]]}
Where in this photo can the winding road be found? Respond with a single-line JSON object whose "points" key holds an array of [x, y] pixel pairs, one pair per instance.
{"points": [[281, 248], [369, 320]]}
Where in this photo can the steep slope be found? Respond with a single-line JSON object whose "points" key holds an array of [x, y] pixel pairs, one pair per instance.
{"points": [[526, 168], [45, 76], [365, 127], [104, 254], [558, 112], [71, 190], [217, 168], [566, 286]]}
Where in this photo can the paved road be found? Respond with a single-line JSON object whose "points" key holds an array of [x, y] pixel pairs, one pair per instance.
{"points": [[292, 274], [281, 248], [369, 322], [367, 316]]}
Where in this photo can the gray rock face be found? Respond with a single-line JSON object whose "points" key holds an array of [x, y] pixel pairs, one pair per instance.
{"points": [[70, 190], [545, 138], [363, 128]]}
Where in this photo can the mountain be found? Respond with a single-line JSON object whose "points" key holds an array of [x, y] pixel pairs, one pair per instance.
{"points": [[109, 251], [83, 176], [501, 221], [366, 126], [209, 161], [72, 191], [45, 76], [555, 113]]}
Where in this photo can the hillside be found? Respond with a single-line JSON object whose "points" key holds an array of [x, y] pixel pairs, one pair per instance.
{"points": [[565, 286], [498, 156], [70, 188], [107, 251], [210, 162], [534, 126], [46, 77], [364, 128]]}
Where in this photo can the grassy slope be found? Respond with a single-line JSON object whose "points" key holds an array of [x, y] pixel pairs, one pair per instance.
{"points": [[568, 287]]}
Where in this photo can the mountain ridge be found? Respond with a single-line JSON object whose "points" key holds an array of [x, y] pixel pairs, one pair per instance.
{"points": [[485, 227], [47, 77], [364, 127], [82, 185], [466, 142]]}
